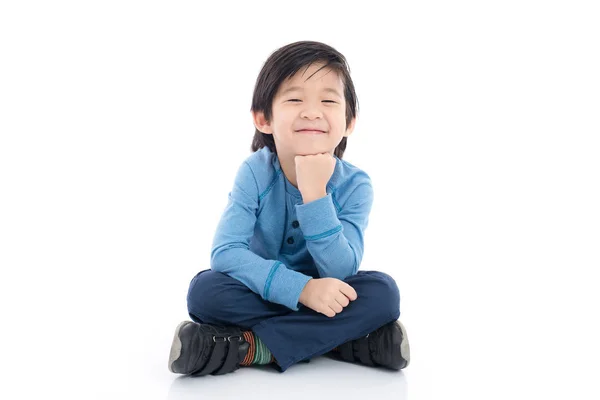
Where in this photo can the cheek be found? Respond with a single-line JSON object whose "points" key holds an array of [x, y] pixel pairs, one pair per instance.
{"points": [[285, 126]]}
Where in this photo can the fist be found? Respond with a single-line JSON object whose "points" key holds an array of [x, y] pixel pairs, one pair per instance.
{"points": [[327, 296], [312, 174]]}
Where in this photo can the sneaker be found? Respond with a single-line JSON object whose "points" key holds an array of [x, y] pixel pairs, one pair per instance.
{"points": [[202, 349], [387, 347]]}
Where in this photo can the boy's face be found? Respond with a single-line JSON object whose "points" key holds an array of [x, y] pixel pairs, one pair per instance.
{"points": [[317, 103]]}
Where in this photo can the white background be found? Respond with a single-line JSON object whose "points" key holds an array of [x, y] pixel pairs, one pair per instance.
{"points": [[123, 123]]}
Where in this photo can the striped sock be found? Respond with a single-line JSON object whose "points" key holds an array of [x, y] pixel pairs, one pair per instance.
{"points": [[258, 353]]}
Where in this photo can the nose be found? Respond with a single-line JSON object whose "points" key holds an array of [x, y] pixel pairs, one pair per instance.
{"points": [[311, 111]]}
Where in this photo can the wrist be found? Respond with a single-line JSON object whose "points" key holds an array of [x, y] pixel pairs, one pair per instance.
{"points": [[301, 299], [312, 195]]}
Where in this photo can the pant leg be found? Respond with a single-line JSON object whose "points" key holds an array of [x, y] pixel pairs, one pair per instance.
{"points": [[308, 334], [216, 298], [292, 336]]}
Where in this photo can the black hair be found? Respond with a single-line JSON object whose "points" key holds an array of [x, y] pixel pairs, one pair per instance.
{"points": [[285, 62]]}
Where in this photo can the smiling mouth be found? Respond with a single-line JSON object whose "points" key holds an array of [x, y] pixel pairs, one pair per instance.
{"points": [[310, 131]]}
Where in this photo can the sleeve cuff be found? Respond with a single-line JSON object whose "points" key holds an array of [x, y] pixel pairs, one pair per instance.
{"points": [[318, 219], [284, 286]]}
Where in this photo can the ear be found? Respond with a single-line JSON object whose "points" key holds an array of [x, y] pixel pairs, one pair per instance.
{"points": [[261, 123], [350, 127]]}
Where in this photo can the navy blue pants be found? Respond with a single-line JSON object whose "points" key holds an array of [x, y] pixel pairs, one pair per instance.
{"points": [[292, 336]]}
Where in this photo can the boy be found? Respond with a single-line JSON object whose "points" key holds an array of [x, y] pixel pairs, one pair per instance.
{"points": [[284, 284]]}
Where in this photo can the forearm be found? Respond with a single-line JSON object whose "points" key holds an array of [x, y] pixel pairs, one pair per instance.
{"points": [[333, 255], [331, 250], [270, 279]]}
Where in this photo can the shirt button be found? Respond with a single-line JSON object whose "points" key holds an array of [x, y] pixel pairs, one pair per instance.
{"points": [[295, 224], [290, 240]]}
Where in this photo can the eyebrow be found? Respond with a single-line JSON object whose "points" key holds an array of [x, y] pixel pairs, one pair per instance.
{"points": [[292, 88]]}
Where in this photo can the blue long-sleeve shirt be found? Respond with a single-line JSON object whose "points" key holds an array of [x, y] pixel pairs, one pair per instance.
{"points": [[272, 242]]}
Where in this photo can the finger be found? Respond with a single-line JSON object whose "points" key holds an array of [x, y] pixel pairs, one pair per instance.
{"points": [[342, 300], [349, 292], [328, 312], [337, 307], [333, 313]]}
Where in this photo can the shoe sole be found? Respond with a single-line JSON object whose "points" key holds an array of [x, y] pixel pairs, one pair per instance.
{"points": [[404, 347], [176, 346]]}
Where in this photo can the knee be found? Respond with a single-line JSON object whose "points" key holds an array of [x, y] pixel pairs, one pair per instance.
{"points": [[385, 294], [203, 294]]}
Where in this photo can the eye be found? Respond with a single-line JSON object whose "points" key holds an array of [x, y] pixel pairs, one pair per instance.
{"points": [[324, 101]]}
